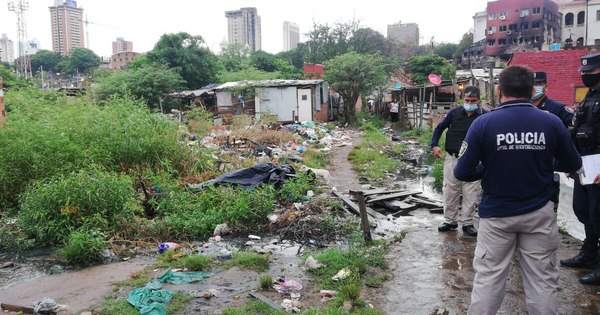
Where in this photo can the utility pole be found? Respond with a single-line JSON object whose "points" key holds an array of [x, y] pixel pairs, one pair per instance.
{"points": [[587, 18], [23, 61]]}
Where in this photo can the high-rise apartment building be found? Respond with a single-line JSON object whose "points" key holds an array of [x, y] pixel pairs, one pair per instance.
{"points": [[67, 26], [407, 33], [243, 27], [7, 50], [291, 35], [121, 45]]}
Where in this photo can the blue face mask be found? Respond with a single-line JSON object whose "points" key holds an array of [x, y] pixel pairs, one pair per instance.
{"points": [[470, 107], [539, 92]]}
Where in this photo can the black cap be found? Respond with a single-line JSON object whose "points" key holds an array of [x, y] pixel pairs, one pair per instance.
{"points": [[539, 77], [590, 62]]}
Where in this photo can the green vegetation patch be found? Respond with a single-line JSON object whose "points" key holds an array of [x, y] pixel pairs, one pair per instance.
{"points": [[374, 157], [254, 308], [250, 261], [316, 159]]}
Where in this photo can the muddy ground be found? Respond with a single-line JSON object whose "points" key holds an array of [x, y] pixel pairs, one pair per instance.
{"points": [[431, 272]]}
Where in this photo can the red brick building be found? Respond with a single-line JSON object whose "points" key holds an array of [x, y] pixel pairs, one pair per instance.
{"points": [[560, 66], [521, 25]]}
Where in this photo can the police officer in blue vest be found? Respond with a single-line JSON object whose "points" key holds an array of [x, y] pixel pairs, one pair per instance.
{"points": [[457, 121], [543, 102], [586, 198], [514, 150]]}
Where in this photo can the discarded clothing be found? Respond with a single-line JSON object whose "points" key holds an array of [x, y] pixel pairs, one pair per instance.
{"points": [[251, 177], [150, 300], [183, 277]]}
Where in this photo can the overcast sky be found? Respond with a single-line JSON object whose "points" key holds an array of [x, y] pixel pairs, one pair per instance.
{"points": [[143, 22]]}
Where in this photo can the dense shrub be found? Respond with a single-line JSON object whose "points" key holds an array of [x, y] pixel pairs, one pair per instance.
{"points": [[48, 135], [294, 189], [194, 215], [92, 198], [84, 246]]}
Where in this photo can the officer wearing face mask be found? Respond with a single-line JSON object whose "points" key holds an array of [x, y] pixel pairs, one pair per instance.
{"points": [[457, 121], [586, 198], [543, 102]]}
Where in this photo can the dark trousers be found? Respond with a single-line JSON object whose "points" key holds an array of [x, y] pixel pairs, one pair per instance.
{"points": [[586, 205]]}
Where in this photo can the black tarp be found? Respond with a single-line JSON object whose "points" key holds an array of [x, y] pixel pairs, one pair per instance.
{"points": [[251, 177]]}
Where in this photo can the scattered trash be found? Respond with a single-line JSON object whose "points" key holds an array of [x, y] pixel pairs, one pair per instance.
{"points": [[310, 194], [218, 238], [260, 250], [250, 243], [312, 263], [163, 247], [224, 257], [295, 296], [251, 177], [309, 124], [207, 295], [254, 237], [221, 229], [328, 293], [7, 265], [396, 138], [48, 306], [285, 285], [289, 306], [342, 274]]}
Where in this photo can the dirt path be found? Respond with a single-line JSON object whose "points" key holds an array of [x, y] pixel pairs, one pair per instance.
{"points": [[342, 176], [78, 289]]}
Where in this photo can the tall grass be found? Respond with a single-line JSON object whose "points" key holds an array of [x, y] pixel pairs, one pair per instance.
{"points": [[47, 135]]}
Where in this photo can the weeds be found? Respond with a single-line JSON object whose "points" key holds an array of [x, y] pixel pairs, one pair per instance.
{"points": [[197, 263], [315, 159], [84, 247], [136, 280], [294, 189], [122, 307], [266, 281], [250, 261]]}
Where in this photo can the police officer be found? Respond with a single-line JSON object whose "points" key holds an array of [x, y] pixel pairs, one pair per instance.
{"points": [[543, 102], [457, 121], [586, 199], [513, 150]]}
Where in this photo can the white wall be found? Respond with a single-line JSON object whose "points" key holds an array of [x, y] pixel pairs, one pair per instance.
{"points": [[479, 26], [281, 101]]}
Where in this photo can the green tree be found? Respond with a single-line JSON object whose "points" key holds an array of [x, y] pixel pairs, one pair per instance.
{"points": [[446, 50], [296, 56], [264, 61], [465, 42], [249, 73], [146, 83], [326, 42], [421, 66], [83, 60], [235, 57], [46, 60], [352, 75], [189, 56], [368, 41], [11, 81]]}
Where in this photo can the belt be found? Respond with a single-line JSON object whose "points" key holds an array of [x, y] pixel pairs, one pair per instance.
{"points": [[454, 154]]}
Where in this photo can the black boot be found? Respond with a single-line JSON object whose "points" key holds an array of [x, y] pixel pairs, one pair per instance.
{"points": [[586, 257], [593, 277]]}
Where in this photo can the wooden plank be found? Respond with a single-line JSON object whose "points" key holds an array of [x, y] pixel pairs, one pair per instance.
{"points": [[426, 202], [353, 207], [374, 191], [17, 308], [364, 219], [397, 205], [265, 300], [394, 196]]}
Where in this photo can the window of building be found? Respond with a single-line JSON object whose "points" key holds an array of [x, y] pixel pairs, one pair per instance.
{"points": [[524, 12], [491, 42], [597, 43], [536, 24], [569, 17], [492, 16], [537, 10], [580, 18], [515, 40], [524, 25], [502, 28], [503, 15], [579, 41], [513, 27], [492, 29], [502, 42], [598, 15]]}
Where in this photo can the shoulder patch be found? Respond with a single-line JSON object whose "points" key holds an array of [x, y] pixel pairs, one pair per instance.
{"points": [[569, 109], [463, 148]]}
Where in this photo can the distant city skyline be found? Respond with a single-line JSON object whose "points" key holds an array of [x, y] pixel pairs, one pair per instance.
{"points": [[109, 19]]}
